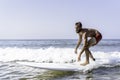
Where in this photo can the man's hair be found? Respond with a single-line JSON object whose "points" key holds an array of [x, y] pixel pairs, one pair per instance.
{"points": [[78, 27], [78, 24]]}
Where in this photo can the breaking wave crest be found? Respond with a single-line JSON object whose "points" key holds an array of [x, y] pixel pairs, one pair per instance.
{"points": [[57, 55]]}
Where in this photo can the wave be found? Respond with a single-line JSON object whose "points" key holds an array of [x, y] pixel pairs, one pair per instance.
{"points": [[58, 55]]}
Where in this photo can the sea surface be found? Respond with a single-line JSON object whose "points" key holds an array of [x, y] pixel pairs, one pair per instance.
{"points": [[106, 53]]}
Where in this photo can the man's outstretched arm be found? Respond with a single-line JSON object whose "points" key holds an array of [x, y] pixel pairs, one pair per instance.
{"points": [[84, 47], [78, 44], [85, 42]]}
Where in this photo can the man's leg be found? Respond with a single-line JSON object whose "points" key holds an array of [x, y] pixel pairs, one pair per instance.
{"points": [[91, 56], [88, 51], [91, 42], [87, 57], [79, 56]]}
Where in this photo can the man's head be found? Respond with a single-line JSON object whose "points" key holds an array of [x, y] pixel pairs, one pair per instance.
{"points": [[78, 26]]}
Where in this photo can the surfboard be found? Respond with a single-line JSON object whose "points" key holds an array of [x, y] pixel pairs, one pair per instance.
{"points": [[53, 66]]}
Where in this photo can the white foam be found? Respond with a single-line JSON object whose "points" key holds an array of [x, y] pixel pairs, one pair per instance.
{"points": [[37, 55], [57, 55]]}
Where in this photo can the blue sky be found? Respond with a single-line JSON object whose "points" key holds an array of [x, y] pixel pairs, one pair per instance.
{"points": [[55, 19]]}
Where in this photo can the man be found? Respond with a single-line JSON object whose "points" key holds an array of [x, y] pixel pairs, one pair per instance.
{"points": [[85, 33]]}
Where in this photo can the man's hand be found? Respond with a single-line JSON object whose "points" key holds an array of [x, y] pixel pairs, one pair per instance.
{"points": [[76, 51], [78, 58]]}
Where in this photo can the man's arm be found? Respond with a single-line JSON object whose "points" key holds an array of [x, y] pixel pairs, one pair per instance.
{"points": [[78, 44], [84, 44]]}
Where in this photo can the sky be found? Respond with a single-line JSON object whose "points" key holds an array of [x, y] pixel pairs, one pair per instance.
{"points": [[55, 19]]}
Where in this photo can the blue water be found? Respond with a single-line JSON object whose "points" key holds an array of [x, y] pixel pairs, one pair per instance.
{"points": [[104, 45], [107, 54]]}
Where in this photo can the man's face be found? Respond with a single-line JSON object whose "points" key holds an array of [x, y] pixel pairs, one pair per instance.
{"points": [[77, 28]]}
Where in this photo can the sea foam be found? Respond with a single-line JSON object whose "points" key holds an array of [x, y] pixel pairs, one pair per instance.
{"points": [[57, 55]]}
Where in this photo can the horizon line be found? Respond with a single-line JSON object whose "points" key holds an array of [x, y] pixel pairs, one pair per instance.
{"points": [[56, 39]]}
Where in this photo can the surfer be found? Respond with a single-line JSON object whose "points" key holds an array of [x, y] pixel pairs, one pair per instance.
{"points": [[91, 37]]}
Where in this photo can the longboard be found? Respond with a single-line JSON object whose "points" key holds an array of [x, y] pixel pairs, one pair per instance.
{"points": [[53, 66]]}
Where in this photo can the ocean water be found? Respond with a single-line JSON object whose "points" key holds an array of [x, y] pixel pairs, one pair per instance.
{"points": [[106, 66]]}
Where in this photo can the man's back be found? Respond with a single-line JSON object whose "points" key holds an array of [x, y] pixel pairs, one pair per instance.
{"points": [[88, 32]]}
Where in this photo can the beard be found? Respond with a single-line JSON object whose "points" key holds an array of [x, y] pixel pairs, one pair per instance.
{"points": [[78, 30]]}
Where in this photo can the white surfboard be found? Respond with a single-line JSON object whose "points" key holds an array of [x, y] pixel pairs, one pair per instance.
{"points": [[53, 66]]}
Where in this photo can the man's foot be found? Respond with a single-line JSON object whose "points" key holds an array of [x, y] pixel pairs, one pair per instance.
{"points": [[93, 59], [84, 64]]}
